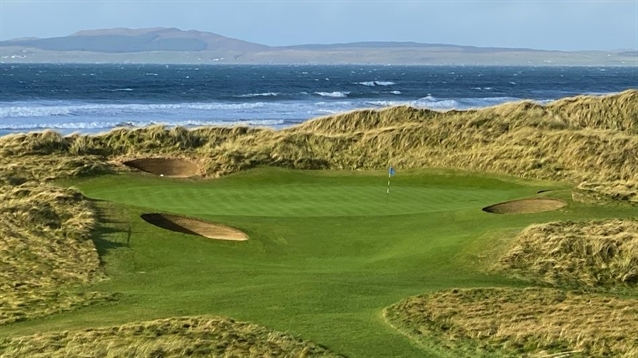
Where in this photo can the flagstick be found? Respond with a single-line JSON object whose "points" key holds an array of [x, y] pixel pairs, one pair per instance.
{"points": [[387, 192]]}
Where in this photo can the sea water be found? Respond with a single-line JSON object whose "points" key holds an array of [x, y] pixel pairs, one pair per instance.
{"points": [[95, 98]]}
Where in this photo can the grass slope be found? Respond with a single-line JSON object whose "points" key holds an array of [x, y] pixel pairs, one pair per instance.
{"points": [[533, 322], [324, 274], [590, 254], [577, 139], [176, 337], [45, 247]]}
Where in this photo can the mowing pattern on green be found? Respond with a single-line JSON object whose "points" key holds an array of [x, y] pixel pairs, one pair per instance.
{"points": [[298, 200]]}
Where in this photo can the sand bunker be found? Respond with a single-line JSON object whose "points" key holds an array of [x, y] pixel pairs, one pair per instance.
{"points": [[535, 205], [169, 167], [194, 227]]}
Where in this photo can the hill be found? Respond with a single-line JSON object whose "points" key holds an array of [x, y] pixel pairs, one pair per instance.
{"points": [[171, 45], [140, 40]]}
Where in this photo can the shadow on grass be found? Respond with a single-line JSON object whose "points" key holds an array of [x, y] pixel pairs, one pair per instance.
{"points": [[110, 232]]}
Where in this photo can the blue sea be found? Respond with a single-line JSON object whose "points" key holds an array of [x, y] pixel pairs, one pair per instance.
{"points": [[96, 98]]}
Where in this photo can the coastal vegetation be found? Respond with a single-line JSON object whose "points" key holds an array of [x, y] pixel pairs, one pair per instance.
{"points": [[330, 251], [45, 250], [173, 337], [532, 322]]}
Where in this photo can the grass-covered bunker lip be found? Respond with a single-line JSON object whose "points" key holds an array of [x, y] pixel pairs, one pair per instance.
{"points": [[523, 206], [170, 167], [192, 226]]}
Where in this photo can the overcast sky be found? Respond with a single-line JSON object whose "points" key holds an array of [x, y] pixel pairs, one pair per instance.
{"points": [[541, 24]]}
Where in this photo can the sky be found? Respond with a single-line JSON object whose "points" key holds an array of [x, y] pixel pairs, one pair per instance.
{"points": [[539, 24]]}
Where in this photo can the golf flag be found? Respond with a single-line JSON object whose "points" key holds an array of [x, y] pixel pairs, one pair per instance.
{"points": [[391, 172]]}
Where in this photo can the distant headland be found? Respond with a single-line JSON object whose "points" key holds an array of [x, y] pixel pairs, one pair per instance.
{"points": [[172, 46]]}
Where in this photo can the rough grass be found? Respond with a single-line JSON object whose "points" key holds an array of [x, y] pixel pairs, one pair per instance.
{"points": [[575, 139], [593, 254], [173, 337], [533, 322], [607, 192], [45, 245]]}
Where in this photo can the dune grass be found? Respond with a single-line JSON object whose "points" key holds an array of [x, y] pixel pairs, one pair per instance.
{"points": [[45, 249], [532, 322], [607, 192], [176, 337], [577, 139], [596, 254]]}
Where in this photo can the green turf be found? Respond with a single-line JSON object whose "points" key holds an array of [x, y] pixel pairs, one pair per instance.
{"points": [[326, 252]]}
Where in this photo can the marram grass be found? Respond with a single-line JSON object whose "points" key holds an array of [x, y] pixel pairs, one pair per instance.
{"points": [[532, 322], [578, 254], [45, 246], [576, 139], [172, 337]]}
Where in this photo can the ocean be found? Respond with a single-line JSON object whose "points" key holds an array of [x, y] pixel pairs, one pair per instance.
{"points": [[96, 98]]}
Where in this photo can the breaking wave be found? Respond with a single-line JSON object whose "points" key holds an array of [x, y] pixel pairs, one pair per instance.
{"points": [[335, 94], [376, 83], [251, 95]]}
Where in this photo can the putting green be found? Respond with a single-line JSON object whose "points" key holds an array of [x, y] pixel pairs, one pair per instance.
{"points": [[326, 253], [307, 194]]}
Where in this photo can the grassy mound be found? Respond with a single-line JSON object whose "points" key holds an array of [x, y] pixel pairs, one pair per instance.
{"points": [[174, 337], [533, 205], [514, 322], [194, 226], [597, 253], [607, 192], [577, 139], [45, 245]]}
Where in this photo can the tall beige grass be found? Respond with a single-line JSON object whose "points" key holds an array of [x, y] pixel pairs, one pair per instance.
{"points": [[607, 192], [173, 337], [533, 322], [45, 246], [577, 139], [594, 254]]}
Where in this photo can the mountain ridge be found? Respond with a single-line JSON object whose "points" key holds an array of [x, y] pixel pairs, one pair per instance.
{"points": [[172, 45]]}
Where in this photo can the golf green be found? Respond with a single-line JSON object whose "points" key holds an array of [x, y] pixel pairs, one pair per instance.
{"points": [[327, 250]]}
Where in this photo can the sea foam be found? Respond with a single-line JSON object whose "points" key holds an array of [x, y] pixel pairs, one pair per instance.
{"points": [[335, 94]]}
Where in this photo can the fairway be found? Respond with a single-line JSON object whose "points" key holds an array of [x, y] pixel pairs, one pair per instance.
{"points": [[327, 251]]}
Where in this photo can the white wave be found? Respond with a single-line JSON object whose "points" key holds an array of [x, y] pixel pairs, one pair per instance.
{"points": [[13, 112], [375, 83], [389, 103], [433, 103], [395, 92], [122, 90], [265, 94], [92, 125], [106, 109], [335, 94]]}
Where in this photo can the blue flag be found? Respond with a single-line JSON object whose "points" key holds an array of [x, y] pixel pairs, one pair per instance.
{"points": [[391, 171]]}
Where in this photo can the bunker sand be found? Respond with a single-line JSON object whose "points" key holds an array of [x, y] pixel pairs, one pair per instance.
{"points": [[523, 206], [193, 226], [169, 167]]}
